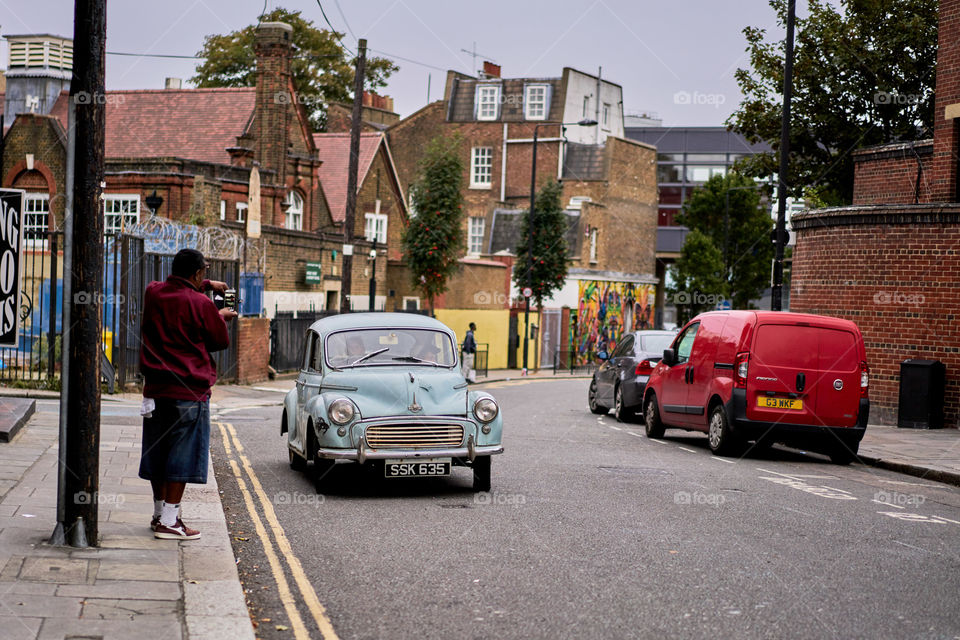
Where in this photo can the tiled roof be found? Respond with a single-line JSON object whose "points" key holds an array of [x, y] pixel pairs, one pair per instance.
{"points": [[196, 124], [334, 152], [462, 108], [507, 225]]}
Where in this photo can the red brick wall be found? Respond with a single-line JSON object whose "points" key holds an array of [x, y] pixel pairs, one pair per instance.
{"points": [[889, 174], [892, 270], [253, 349], [945, 133]]}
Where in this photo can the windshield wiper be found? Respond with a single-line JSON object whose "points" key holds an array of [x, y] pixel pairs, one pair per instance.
{"points": [[417, 360], [368, 356]]}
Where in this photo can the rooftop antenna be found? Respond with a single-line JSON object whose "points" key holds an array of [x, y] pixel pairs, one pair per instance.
{"points": [[474, 53]]}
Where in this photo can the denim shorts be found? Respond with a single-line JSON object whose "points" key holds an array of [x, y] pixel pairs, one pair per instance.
{"points": [[176, 442]]}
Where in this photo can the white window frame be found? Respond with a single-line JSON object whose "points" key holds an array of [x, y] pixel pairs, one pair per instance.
{"points": [[294, 215], [123, 218], [481, 166], [28, 217], [241, 211], [535, 109], [606, 116], [223, 209], [476, 225], [407, 299], [375, 227], [593, 245], [488, 102], [586, 105]]}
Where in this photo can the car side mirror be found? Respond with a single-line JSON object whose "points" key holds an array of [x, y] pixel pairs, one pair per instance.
{"points": [[603, 355], [669, 357]]}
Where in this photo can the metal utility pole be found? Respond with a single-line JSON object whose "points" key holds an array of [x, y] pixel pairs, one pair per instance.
{"points": [[528, 290], [82, 480], [346, 278], [776, 297], [373, 276]]}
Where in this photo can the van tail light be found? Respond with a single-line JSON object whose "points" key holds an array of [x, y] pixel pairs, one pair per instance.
{"points": [[740, 370], [644, 368], [864, 378]]}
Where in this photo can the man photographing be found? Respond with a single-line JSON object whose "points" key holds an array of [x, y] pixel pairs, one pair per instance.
{"points": [[180, 328]]}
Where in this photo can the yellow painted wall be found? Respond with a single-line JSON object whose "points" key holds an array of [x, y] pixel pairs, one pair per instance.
{"points": [[492, 328]]}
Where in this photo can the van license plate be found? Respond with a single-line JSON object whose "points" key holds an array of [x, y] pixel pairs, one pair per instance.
{"points": [[780, 403], [416, 468]]}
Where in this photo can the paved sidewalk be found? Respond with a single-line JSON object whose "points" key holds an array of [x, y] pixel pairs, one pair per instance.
{"points": [[933, 454], [132, 585]]}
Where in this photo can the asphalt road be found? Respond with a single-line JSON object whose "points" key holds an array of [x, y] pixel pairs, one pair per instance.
{"points": [[592, 531]]}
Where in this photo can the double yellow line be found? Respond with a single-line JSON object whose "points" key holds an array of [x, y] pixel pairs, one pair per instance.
{"points": [[278, 541]]}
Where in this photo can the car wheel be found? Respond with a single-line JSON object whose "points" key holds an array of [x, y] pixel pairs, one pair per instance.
{"points": [[481, 473], [296, 462], [843, 452], [721, 438], [654, 426], [620, 410], [592, 399]]}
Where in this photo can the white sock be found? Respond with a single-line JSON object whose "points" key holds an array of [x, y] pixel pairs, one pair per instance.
{"points": [[157, 506], [169, 513]]}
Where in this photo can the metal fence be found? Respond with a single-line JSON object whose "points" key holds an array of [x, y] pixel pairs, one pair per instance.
{"points": [[481, 359], [565, 362]]}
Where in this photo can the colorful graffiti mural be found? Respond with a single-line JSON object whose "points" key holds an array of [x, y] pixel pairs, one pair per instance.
{"points": [[607, 309]]}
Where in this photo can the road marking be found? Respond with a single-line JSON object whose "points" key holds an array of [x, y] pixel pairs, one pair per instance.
{"points": [[724, 460], [800, 485], [834, 489], [685, 449], [615, 428], [317, 610], [887, 504], [283, 587], [271, 389], [639, 435], [659, 441], [910, 546], [248, 407], [914, 517]]}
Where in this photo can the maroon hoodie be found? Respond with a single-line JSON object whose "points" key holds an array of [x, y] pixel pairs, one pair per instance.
{"points": [[179, 328]]}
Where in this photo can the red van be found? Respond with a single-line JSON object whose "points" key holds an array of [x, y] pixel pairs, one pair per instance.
{"points": [[764, 376]]}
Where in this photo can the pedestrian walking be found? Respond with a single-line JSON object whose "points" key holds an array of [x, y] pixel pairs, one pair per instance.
{"points": [[468, 354], [180, 328]]}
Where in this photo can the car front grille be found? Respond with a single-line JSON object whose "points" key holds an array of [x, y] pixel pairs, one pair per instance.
{"points": [[395, 436]]}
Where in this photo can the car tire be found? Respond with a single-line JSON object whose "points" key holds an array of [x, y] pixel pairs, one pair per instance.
{"points": [[481, 473], [620, 409], [719, 435], [296, 462], [654, 427], [843, 452], [596, 408]]}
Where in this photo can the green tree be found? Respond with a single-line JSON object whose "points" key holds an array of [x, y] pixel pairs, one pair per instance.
{"points": [[322, 70], [698, 283], [863, 75], [549, 245], [745, 247], [433, 241]]}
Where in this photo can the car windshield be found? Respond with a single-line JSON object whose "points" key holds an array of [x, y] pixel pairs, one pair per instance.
{"points": [[656, 343], [368, 347]]}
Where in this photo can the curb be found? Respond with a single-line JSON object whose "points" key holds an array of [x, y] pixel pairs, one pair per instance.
{"points": [[937, 475], [20, 413]]}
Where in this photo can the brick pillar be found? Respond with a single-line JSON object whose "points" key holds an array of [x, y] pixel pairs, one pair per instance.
{"points": [[273, 48], [946, 135], [253, 349]]}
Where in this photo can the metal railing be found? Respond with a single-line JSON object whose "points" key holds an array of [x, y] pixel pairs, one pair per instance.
{"points": [[566, 361]]}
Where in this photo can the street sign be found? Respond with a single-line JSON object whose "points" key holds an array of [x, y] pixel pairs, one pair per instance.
{"points": [[527, 292], [313, 273], [11, 253]]}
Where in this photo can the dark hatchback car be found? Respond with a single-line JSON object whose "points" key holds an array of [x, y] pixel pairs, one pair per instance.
{"points": [[619, 382]]}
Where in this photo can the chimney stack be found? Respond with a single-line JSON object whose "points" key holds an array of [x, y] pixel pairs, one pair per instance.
{"points": [[273, 48], [491, 70]]}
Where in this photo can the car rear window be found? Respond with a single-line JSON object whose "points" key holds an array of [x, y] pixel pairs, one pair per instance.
{"points": [[656, 343], [782, 345]]}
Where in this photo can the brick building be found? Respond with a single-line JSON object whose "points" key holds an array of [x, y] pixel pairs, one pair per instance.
{"points": [[889, 261], [609, 189]]}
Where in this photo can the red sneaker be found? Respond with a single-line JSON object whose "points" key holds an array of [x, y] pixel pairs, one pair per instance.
{"points": [[178, 531]]}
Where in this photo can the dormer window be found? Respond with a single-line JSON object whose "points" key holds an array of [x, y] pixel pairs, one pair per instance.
{"points": [[535, 101], [488, 102]]}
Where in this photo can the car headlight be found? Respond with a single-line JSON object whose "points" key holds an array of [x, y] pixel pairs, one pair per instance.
{"points": [[341, 411], [485, 409]]}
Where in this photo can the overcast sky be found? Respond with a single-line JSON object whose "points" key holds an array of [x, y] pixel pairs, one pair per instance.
{"points": [[655, 50]]}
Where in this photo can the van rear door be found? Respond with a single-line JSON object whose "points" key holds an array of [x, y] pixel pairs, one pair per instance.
{"points": [[782, 374], [838, 385]]}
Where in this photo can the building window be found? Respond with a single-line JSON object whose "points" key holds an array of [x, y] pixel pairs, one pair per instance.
{"points": [[475, 235], [586, 105], [36, 211], [241, 211], [488, 102], [606, 116], [120, 211], [223, 209], [411, 304], [375, 227], [294, 204], [593, 245], [481, 168], [535, 102], [576, 202], [704, 173]]}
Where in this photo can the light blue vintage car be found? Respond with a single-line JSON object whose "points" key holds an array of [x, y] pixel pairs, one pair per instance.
{"points": [[386, 389]]}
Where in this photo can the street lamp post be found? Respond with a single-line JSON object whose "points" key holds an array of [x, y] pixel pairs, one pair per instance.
{"points": [[528, 290], [776, 297]]}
